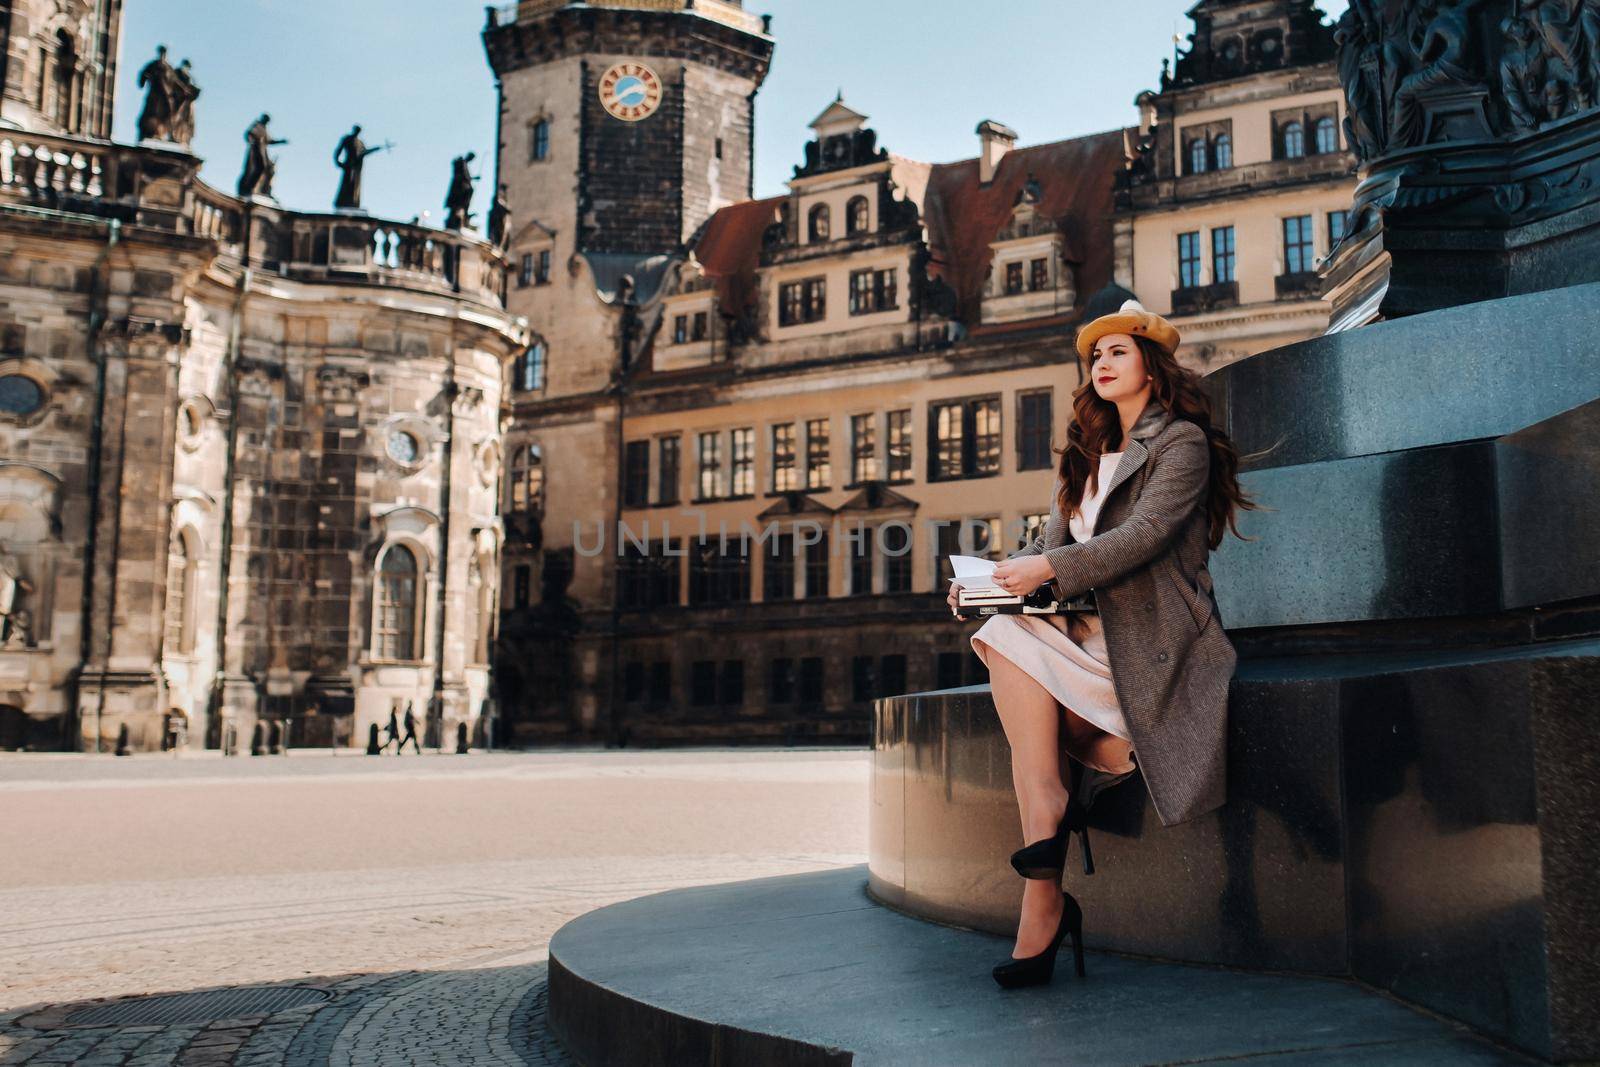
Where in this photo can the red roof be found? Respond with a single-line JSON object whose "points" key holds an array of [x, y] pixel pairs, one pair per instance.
{"points": [[961, 217], [729, 248], [1075, 183]]}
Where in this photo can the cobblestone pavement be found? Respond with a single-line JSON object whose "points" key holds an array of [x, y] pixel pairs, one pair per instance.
{"points": [[416, 895]]}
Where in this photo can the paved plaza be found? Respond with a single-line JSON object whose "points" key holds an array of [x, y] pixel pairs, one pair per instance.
{"points": [[407, 902]]}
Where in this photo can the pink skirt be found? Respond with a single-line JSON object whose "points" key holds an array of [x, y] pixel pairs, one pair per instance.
{"points": [[1064, 653]]}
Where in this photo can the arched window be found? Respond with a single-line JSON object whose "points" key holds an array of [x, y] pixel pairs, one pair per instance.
{"points": [[527, 480], [394, 630], [1223, 147], [817, 223], [856, 215], [179, 639], [1197, 156], [1327, 135], [1294, 141], [482, 566], [527, 372]]}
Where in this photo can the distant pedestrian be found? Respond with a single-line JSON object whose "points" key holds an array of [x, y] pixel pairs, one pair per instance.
{"points": [[391, 732], [411, 733]]}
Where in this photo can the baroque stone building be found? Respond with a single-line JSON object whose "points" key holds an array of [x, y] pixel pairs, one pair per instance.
{"points": [[249, 456], [1240, 182], [851, 374]]}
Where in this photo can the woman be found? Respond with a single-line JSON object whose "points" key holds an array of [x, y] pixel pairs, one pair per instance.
{"points": [[1145, 488]]}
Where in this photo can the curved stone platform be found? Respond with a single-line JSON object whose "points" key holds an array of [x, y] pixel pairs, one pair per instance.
{"points": [[808, 969]]}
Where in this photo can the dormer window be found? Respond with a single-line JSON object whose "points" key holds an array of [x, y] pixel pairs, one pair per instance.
{"points": [[1223, 148], [817, 223], [1197, 156], [856, 215]]}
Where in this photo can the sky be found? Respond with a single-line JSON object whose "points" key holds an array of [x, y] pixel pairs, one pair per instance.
{"points": [[413, 73]]}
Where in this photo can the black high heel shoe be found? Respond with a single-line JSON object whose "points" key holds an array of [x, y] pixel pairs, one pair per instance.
{"points": [[1047, 858], [1038, 969]]}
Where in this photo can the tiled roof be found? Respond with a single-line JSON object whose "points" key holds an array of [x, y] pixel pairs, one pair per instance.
{"points": [[729, 248], [961, 217], [1075, 181]]}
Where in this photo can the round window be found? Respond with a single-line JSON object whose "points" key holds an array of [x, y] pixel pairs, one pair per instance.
{"points": [[402, 447], [20, 395]]}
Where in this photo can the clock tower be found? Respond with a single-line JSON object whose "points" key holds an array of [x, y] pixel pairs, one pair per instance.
{"points": [[624, 123]]}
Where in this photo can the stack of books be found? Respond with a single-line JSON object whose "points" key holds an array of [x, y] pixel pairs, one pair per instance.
{"points": [[977, 595]]}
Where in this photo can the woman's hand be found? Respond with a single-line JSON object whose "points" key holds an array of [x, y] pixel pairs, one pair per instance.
{"points": [[1023, 575], [951, 599]]}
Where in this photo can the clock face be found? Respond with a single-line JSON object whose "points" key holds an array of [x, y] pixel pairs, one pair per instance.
{"points": [[630, 91]]}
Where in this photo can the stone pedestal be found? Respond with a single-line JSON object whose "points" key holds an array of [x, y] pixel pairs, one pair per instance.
{"points": [[1411, 778]]}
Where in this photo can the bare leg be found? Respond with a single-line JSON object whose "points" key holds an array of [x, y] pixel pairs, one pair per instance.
{"points": [[1031, 718]]}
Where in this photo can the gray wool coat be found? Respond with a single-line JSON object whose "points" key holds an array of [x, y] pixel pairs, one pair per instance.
{"points": [[1145, 563]]}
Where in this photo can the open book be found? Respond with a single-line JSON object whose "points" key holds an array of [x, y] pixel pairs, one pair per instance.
{"points": [[974, 576], [976, 593]]}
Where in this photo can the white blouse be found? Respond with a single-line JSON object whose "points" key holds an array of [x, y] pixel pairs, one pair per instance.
{"points": [[1081, 524]]}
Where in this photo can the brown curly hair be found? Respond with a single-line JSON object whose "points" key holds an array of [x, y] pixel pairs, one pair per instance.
{"points": [[1096, 428]]}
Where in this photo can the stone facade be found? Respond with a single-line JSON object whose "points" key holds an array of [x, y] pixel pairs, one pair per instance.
{"points": [[250, 460], [1240, 182], [885, 345], [58, 65]]}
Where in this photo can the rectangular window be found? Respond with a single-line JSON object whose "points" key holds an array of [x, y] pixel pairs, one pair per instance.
{"points": [[667, 470], [811, 679], [539, 141], [1337, 221], [802, 301], [819, 473], [899, 452], [947, 670], [863, 678], [1039, 274], [966, 437], [1298, 255], [703, 683], [873, 290], [1188, 259], [680, 329], [541, 268], [744, 461], [1033, 430], [861, 562], [817, 567], [1032, 527], [780, 681], [777, 582], [636, 483], [649, 578], [525, 271], [891, 675], [528, 370], [661, 682], [785, 475], [700, 330], [863, 448], [633, 682], [710, 466], [521, 585], [730, 686], [1013, 278], [1222, 254], [896, 541], [719, 570]]}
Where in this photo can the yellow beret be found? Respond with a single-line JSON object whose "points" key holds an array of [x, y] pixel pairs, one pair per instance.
{"points": [[1132, 319]]}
